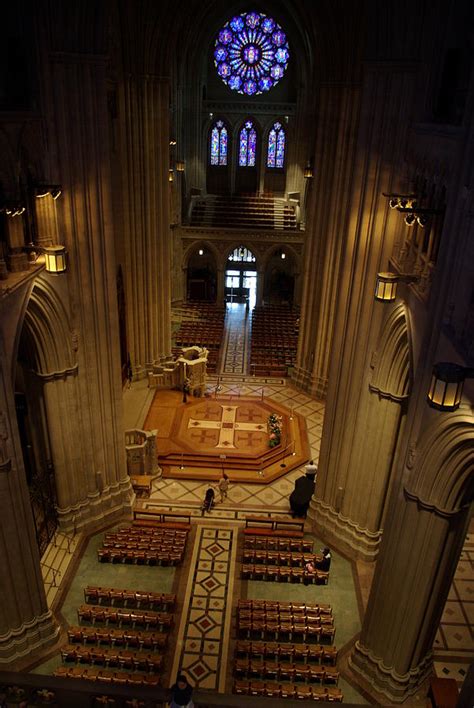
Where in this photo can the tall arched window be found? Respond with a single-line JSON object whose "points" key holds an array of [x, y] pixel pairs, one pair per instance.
{"points": [[218, 147], [247, 145], [276, 146]]}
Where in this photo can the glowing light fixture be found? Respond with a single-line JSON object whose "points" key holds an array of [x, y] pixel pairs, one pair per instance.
{"points": [[180, 165], [55, 258], [386, 285], [283, 255], [308, 171], [446, 386], [201, 252], [170, 175]]}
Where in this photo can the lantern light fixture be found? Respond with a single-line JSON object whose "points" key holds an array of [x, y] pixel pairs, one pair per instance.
{"points": [[447, 381], [386, 284], [308, 171], [180, 165]]}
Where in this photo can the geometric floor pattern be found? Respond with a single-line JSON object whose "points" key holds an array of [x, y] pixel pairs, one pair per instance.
{"points": [[234, 352], [454, 643], [205, 621]]}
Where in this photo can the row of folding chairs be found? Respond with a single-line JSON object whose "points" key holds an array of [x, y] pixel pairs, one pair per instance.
{"points": [[288, 690], [283, 574], [122, 658], [145, 545], [107, 615], [110, 677], [99, 595], [306, 653], [285, 671], [120, 637], [285, 607], [279, 543], [285, 558], [289, 631], [296, 616], [138, 557]]}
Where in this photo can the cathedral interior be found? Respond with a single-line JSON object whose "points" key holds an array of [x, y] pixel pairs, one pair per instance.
{"points": [[289, 185]]}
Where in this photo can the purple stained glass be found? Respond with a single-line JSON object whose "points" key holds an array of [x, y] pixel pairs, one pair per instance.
{"points": [[281, 55], [280, 150], [247, 145], [224, 70], [277, 72], [252, 19], [220, 53], [268, 24], [276, 146], [237, 24], [251, 53], [250, 87], [219, 144], [271, 149], [279, 38]]}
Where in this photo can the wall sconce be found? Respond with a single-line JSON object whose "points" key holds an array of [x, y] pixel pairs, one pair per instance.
{"points": [[55, 259], [54, 256], [170, 175], [400, 201], [172, 142], [283, 255], [386, 285], [447, 381], [42, 190], [14, 210], [308, 171], [201, 252], [180, 164], [420, 216]]}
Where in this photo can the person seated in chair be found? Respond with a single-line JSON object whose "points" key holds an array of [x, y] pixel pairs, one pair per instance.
{"points": [[325, 564], [208, 502]]}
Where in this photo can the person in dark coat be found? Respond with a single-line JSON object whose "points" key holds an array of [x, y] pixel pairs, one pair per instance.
{"points": [[325, 564], [300, 497], [181, 693]]}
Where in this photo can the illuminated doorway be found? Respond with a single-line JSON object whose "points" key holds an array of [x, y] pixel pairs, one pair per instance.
{"points": [[241, 277]]}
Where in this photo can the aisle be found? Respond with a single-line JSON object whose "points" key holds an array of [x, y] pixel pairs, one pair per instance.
{"points": [[234, 354]]}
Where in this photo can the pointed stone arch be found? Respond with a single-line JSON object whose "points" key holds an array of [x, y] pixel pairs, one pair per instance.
{"points": [[44, 337], [393, 366], [443, 465]]}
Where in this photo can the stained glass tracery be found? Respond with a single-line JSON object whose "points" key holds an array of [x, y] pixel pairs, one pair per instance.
{"points": [[251, 53], [219, 144], [276, 146], [247, 145]]}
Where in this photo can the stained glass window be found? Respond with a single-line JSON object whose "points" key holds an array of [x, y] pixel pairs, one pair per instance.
{"points": [[247, 145], [251, 53], [276, 146], [219, 144]]}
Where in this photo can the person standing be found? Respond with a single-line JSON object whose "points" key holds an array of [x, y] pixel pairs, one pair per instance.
{"points": [[181, 693], [311, 470], [223, 486]]}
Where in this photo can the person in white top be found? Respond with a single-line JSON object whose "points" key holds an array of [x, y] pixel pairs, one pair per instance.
{"points": [[311, 470], [223, 486]]}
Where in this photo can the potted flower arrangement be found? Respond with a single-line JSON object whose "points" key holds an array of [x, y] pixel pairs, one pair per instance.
{"points": [[275, 424]]}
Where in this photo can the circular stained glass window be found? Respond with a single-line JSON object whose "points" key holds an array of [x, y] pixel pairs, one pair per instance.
{"points": [[251, 53]]}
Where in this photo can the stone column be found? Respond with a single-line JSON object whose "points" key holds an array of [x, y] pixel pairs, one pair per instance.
{"points": [[26, 623], [220, 286], [46, 220], [326, 220], [414, 575], [354, 323], [79, 116], [146, 230]]}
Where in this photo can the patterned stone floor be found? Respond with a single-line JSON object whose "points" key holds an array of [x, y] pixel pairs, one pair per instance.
{"points": [[206, 618], [235, 350], [454, 643]]}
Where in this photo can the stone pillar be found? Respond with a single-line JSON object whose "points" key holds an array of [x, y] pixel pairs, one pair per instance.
{"points": [[79, 114], [260, 286], [414, 575], [220, 286], [26, 623], [146, 230], [46, 220], [326, 221], [354, 323]]}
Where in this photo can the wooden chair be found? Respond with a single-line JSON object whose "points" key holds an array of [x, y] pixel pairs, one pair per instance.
{"points": [[334, 695], [241, 687], [303, 692], [317, 674], [286, 671], [329, 654], [272, 690], [287, 690], [256, 668], [319, 694], [257, 688], [241, 668], [331, 676]]}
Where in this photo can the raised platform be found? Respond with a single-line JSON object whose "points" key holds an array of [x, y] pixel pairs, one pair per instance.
{"points": [[206, 436]]}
